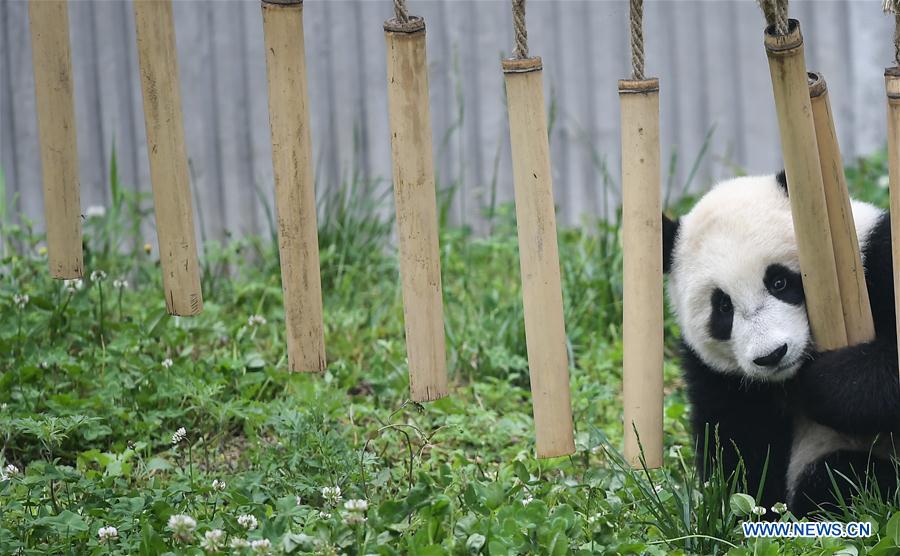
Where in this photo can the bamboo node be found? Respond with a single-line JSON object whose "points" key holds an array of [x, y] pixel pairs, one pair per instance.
{"points": [[639, 86], [817, 85], [414, 24], [522, 65], [778, 44]]}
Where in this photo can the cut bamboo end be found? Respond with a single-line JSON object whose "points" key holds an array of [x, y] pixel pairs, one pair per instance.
{"points": [[545, 332], [892, 88], [416, 209], [522, 65], [295, 195], [856, 308], [804, 176], [643, 273], [155, 29], [55, 101]]}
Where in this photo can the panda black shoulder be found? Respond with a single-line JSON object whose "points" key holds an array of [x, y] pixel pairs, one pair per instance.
{"points": [[875, 244]]}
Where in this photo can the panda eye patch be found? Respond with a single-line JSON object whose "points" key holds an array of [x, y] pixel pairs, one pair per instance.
{"points": [[784, 284], [721, 316]]}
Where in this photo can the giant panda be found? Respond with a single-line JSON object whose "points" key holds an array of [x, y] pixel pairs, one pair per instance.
{"points": [[753, 376]]}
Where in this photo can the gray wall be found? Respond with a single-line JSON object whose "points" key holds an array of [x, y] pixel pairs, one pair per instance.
{"points": [[708, 55]]}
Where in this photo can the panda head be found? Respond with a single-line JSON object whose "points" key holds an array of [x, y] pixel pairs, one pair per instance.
{"points": [[734, 280]]}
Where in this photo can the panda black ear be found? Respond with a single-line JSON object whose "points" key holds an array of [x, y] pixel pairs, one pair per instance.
{"points": [[781, 178], [669, 232]]}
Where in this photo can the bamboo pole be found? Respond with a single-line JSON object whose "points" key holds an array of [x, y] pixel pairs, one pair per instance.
{"points": [[804, 176], [53, 88], [295, 194], [414, 196], [158, 61], [851, 277], [643, 276], [545, 332], [892, 87]]}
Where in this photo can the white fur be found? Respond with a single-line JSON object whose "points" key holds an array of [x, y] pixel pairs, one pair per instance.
{"points": [[736, 231], [813, 441]]}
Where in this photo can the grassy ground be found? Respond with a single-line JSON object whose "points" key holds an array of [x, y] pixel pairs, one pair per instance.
{"points": [[96, 383]]}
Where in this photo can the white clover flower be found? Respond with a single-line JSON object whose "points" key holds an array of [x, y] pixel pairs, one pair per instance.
{"points": [[167, 363], [261, 546], [324, 515], [213, 541], [884, 181], [779, 507], [95, 211], [120, 283], [72, 286], [21, 300], [182, 527], [332, 495], [218, 485], [256, 320], [109, 533], [356, 505], [11, 469], [527, 500], [299, 501], [758, 510], [239, 543], [248, 522], [98, 276], [179, 436], [353, 518]]}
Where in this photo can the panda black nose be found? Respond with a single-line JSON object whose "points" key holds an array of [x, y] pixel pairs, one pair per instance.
{"points": [[773, 358]]}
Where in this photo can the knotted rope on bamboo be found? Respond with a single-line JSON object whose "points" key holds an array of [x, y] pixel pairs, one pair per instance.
{"points": [[893, 7], [400, 11], [521, 49], [776, 14], [637, 39]]}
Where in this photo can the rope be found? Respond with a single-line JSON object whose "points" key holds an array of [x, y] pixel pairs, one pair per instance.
{"points": [[521, 49], [893, 6], [400, 11], [637, 40], [776, 14]]}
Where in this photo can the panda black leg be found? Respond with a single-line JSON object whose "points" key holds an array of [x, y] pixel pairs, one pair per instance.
{"points": [[815, 489]]}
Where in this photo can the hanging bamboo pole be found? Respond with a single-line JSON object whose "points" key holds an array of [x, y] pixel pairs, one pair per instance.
{"points": [[545, 332], [851, 277], [416, 206], [642, 375], [804, 176], [295, 194], [892, 87], [158, 61], [642, 322], [55, 100]]}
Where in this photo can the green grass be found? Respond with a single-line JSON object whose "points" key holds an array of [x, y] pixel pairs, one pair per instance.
{"points": [[95, 381]]}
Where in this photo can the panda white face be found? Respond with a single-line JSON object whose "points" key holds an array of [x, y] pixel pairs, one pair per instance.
{"points": [[734, 281]]}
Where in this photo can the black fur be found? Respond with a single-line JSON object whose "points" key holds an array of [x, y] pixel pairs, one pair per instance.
{"points": [[784, 284], [721, 316], [846, 469], [749, 417], [857, 389], [670, 232], [781, 178]]}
